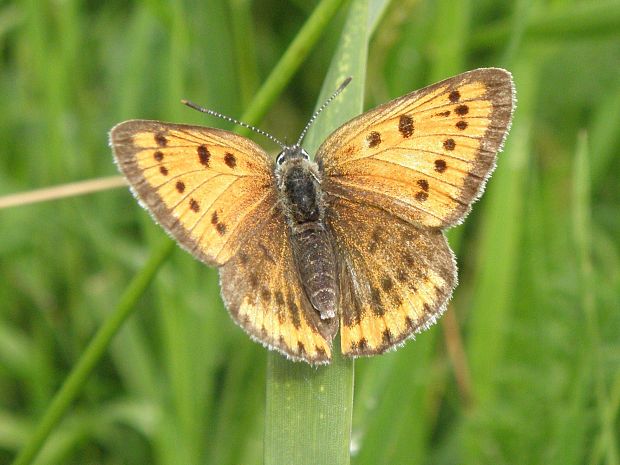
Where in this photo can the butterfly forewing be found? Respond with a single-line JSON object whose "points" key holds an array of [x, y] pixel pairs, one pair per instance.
{"points": [[206, 187], [424, 156]]}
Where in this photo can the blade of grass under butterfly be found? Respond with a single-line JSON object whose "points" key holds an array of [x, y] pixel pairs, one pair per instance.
{"points": [[308, 410], [95, 350]]}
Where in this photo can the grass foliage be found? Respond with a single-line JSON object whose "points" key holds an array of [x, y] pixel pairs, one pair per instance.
{"points": [[523, 369]]}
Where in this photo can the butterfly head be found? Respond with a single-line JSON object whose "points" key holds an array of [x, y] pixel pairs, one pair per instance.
{"points": [[289, 157], [295, 153], [291, 152]]}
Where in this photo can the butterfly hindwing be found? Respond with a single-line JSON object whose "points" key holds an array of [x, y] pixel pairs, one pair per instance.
{"points": [[205, 186], [395, 277], [263, 293], [425, 156]]}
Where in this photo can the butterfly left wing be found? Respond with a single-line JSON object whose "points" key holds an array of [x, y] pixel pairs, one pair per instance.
{"points": [[214, 191], [205, 186], [395, 277]]}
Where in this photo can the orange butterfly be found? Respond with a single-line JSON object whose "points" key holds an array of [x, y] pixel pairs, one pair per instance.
{"points": [[352, 240]]}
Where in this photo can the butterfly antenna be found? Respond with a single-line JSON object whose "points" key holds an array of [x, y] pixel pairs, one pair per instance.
{"points": [[232, 120], [340, 88]]}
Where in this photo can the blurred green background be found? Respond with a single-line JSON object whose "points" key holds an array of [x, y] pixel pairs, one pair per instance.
{"points": [[524, 368]]}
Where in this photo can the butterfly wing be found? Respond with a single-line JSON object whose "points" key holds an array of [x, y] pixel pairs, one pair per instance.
{"points": [[263, 292], [394, 177], [395, 277], [214, 192], [425, 156], [205, 186]]}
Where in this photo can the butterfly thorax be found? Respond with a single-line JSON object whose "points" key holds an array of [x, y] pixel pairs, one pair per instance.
{"points": [[303, 205]]}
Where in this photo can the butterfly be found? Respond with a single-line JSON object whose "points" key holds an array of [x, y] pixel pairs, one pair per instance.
{"points": [[351, 240]]}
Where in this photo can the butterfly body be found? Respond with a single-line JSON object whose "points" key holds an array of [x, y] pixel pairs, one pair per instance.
{"points": [[302, 200], [352, 242]]}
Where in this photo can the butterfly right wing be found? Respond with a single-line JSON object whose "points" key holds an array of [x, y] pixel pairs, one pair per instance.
{"points": [[393, 178], [264, 295], [425, 156]]}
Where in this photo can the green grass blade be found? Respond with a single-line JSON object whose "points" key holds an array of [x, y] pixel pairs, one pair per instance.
{"points": [[74, 383], [290, 61], [244, 37], [309, 410], [581, 20], [592, 360], [604, 137]]}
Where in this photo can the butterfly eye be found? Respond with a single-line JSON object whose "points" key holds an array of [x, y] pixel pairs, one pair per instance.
{"points": [[280, 158]]}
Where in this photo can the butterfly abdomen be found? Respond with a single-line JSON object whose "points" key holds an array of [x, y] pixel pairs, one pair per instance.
{"points": [[316, 264], [312, 249]]}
